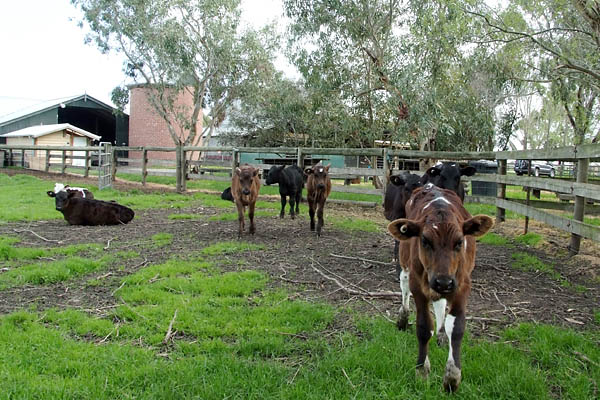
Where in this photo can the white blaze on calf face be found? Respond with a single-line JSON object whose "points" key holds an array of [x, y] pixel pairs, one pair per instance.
{"points": [[441, 198]]}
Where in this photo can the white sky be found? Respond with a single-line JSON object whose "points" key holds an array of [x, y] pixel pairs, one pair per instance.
{"points": [[44, 57]]}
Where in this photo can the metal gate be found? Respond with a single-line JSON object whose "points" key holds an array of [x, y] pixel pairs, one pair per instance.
{"points": [[104, 165]]}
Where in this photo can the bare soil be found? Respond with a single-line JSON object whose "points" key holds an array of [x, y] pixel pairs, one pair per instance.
{"points": [[293, 255]]}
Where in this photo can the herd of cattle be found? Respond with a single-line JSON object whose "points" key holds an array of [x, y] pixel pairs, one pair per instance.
{"points": [[434, 238]]}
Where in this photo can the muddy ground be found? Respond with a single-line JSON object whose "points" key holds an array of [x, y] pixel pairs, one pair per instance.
{"points": [[295, 258]]}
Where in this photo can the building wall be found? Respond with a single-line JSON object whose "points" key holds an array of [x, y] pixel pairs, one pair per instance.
{"points": [[147, 128], [48, 117]]}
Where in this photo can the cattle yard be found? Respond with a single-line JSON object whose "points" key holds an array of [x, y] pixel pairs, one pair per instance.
{"points": [[173, 305]]}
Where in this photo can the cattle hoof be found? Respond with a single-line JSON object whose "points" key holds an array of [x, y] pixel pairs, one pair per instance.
{"points": [[281, 216], [402, 323], [452, 378], [422, 371], [293, 216], [442, 339]]}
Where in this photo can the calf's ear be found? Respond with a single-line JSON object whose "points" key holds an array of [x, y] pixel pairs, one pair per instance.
{"points": [[255, 172], [397, 180], [327, 167], [403, 229], [238, 171], [51, 193], [468, 171], [308, 171], [477, 226]]}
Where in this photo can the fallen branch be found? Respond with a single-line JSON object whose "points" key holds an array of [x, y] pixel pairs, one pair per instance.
{"points": [[108, 244], [360, 259], [361, 292], [170, 330], [378, 310], [117, 289], [36, 235]]}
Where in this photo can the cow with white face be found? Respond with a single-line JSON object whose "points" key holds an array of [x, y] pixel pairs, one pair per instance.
{"points": [[76, 191]]}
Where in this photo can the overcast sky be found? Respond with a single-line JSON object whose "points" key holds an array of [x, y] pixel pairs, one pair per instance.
{"points": [[44, 57]]}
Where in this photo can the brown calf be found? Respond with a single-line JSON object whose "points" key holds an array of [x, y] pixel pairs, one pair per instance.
{"points": [[437, 256], [245, 185], [318, 187]]}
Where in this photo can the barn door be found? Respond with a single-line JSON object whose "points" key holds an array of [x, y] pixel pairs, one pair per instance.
{"points": [[104, 165]]}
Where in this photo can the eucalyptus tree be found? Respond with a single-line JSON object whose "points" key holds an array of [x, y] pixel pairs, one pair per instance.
{"points": [[560, 44], [173, 47], [399, 66]]}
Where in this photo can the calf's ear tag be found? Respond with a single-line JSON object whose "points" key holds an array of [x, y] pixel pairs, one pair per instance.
{"points": [[403, 229]]}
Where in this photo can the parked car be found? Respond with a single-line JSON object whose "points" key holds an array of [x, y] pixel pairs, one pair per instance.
{"points": [[537, 168]]}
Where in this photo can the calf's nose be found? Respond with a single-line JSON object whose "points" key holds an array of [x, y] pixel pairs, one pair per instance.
{"points": [[443, 284], [320, 186], [246, 192]]}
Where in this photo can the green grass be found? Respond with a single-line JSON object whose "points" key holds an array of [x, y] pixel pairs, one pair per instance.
{"points": [[9, 252], [162, 239], [529, 263], [494, 239], [43, 273], [353, 224], [179, 216], [529, 239]]}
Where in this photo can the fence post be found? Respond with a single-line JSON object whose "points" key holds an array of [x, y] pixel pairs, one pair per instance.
{"points": [[527, 199], [144, 166], [582, 172], [300, 159], [184, 169], [386, 169], [501, 212], [10, 157], [113, 165], [47, 165], [86, 165], [234, 160], [23, 158], [64, 162]]}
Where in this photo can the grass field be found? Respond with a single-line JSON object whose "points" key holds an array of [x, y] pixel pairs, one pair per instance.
{"points": [[235, 334]]}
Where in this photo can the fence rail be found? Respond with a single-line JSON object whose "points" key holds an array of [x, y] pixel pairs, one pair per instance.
{"points": [[579, 189]]}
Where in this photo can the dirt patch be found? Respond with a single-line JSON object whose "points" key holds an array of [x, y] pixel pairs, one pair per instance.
{"points": [[501, 295]]}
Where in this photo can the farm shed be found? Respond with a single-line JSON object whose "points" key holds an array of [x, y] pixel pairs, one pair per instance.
{"points": [[50, 135], [83, 111]]}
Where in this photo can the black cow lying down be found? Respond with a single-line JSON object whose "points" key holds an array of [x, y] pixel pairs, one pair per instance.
{"points": [[83, 211], [226, 195]]}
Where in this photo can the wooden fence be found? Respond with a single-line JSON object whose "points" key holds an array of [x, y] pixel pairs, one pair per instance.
{"points": [[579, 188]]}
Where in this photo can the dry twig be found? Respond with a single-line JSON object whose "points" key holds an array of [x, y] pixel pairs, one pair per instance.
{"points": [[360, 259], [35, 234], [360, 291], [170, 329]]}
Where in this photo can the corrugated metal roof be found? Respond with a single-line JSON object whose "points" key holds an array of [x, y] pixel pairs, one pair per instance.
{"points": [[42, 130], [46, 105]]}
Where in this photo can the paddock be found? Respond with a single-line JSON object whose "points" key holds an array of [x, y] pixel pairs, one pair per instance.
{"points": [[347, 271]]}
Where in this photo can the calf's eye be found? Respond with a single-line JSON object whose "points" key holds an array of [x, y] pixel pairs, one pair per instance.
{"points": [[458, 245]]}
